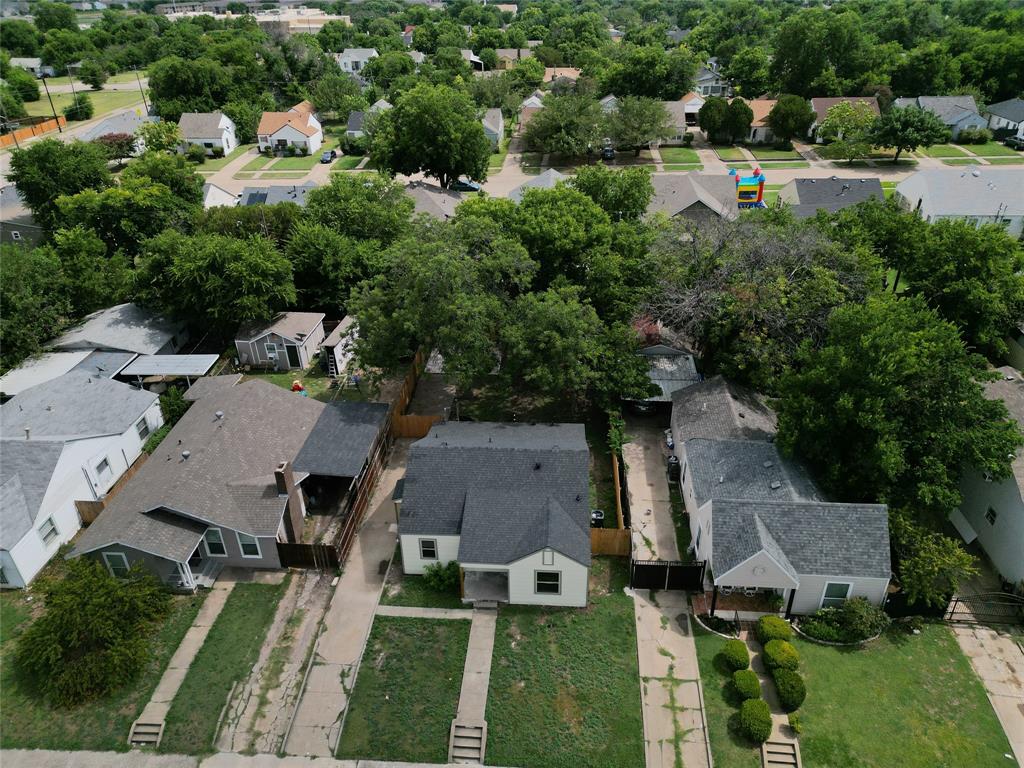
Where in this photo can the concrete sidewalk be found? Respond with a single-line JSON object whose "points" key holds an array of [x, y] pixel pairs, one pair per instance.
{"points": [[476, 674], [45, 758], [411, 612]]}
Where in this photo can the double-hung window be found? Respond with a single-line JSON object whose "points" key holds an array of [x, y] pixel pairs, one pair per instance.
{"points": [[249, 545], [835, 594], [142, 427], [549, 583], [428, 549], [214, 542], [48, 531], [117, 564]]}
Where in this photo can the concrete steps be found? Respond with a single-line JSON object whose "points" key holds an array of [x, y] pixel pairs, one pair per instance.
{"points": [[145, 734], [781, 754], [467, 743]]}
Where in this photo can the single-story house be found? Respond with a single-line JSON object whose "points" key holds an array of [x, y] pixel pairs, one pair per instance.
{"points": [[298, 127], [992, 511], [338, 348], [233, 478], [356, 127], [805, 197], [289, 342], [433, 200], [683, 115], [675, 35], [711, 82], [549, 179], [509, 57], [209, 130], [525, 116], [418, 57], [696, 196], [66, 440], [17, 225], [1006, 117], [353, 60], [508, 502], [956, 112], [494, 127], [276, 193], [821, 106], [214, 196], [124, 328], [472, 59], [561, 73], [760, 133], [981, 195], [670, 370], [534, 100], [407, 33], [32, 64]]}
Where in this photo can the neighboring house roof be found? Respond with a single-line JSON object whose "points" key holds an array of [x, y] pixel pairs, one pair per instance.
{"points": [[821, 106], [675, 193], [75, 405], [274, 194], [105, 364], [433, 200], [745, 469], [214, 196], [26, 467], [417, 56], [807, 196], [555, 73], [670, 369], [40, 369], [821, 539], [340, 441], [201, 124], [468, 55], [1011, 109], [341, 330], [272, 122], [356, 119], [720, 410], [676, 111], [290, 325], [380, 105], [493, 121], [547, 180], [532, 102], [526, 115], [1010, 389], [760, 108], [980, 191], [677, 35], [124, 327], [209, 385], [513, 53], [356, 54], [26, 61], [950, 109], [507, 489]]}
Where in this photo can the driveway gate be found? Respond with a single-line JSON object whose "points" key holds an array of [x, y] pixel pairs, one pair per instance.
{"points": [[986, 608], [666, 574]]}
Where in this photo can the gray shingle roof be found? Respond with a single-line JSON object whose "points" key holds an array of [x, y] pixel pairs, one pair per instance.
{"points": [[200, 125], [745, 469], [675, 193], [276, 193], [817, 538], [807, 196], [719, 409], [949, 109], [1010, 389], [670, 370], [124, 328], [1011, 109], [959, 192], [74, 405], [26, 467], [209, 385], [547, 180], [355, 120], [433, 200], [340, 441], [290, 325], [510, 489], [125, 122]]}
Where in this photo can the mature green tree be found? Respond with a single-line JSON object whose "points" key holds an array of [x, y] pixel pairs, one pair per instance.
{"points": [[11, 103], [80, 108], [384, 70], [179, 85], [434, 130], [48, 168], [94, 280], [34, 299], [906, 129], [49, 16], [890, 409], [847, 129], [214, 279], [568, 126], [23, 83], [170, 170], [246, 114], [650, 71], [791, 117], [750, 70], [328, 265], [93, 73], [62, 47], [638, 122], [931, 566], [897, 236], [527, 75], [713, 116], [819, 52], [623, 194], [926, 69], [20, 37], [94, 636], [274, 222], [365, 206], [738, 118], [162, 136]]}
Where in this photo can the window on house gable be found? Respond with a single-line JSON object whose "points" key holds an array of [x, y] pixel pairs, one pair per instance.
{"points": [[428, 549], [991, 515], [549, 583]]}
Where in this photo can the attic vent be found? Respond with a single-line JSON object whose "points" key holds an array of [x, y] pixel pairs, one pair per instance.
{"points": [[185, 455], [767, 464], [775, 485]]}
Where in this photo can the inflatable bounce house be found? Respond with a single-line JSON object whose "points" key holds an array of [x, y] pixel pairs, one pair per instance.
{"points": [[749, 189]]}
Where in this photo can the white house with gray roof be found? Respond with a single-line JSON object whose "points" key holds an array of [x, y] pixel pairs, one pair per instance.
{"points": [[210, 130], [1007, 116], [955, 112], [982, 195], [508, 502], [66, 440]]}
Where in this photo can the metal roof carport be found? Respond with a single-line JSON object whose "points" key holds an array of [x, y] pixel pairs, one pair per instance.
{"points": [[189, 366]]}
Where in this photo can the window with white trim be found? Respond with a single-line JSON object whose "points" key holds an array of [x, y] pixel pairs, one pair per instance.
{"points": [[428, 549], [214, 542], [249, 545], [142, 427], [271, 349], [103, 469], [117, 564], [835, 595], [48, 531], [548, 583]]}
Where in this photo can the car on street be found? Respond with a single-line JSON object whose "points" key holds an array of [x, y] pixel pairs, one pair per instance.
{"points": [[464, 185]]}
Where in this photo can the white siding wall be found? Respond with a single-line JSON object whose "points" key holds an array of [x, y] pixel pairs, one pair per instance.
{"points": [[812, 588], [522, 581], [447, 550], [759, 571], [311, 344], [294, 137], [1002, 541]]}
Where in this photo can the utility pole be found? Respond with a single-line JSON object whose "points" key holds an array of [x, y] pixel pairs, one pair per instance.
{"points": [[141, 89], [52, 108]]}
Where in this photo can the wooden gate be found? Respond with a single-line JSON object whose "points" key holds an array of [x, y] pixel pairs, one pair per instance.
{"points": [[667, 574], [322, 557]]}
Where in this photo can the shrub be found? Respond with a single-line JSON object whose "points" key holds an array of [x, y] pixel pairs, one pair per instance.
{"points": [[735, 655], [773, 628], [973, 135], [859, 619], [780, 654], [774, 601], [303, 150], [290, 150], [756, 720], [746, 683], [791, 688], [80, 108], [718, 624], [173, 405], [794, 723], [820, 630], [218, 151], [442, 577], [195, 154], [154, 440]]}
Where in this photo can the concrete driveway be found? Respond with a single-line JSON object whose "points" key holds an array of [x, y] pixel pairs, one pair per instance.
{"points": [[654, 534]]}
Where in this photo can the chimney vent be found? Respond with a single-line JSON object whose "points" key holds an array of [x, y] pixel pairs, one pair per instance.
{"points": [[28, 433], [280, 480], [219, 414], [186, 454]]}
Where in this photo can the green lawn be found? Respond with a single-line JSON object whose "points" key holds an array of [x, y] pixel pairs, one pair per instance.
{"points": [[942, 150], [413, 590], [407, 691], [721, 707], [684, 167], [257, 163], [347, 162], [908, 701], [304, 162], [961, 161], [103, 102], [779, 166], [741, 166], [314, 379], [228, 654], [770, 153], [1006, 160], [889, 188], [215, 164], [679, 155], [990, 149], [565, 687], [26, 722], [284, 174], [730, 153], [890, 278], [497, 159]]}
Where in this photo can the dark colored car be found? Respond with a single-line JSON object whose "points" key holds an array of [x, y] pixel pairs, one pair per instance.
{"points": [[1014, 142], [607, 153], [462, 185], [329, 156]]}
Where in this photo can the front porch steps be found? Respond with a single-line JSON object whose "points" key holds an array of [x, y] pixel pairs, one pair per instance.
{"points": [[781, 754], [209, 573], [146, 734], [467, 743]]}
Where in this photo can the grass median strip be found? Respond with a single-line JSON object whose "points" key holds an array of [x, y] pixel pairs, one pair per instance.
{"points": [[684, 167]]}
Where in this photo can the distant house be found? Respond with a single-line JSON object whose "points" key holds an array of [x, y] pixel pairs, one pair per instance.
{"points": [[955, 112], [509, 57], [209, 130], [124, 328], [760, 133], [805, 197], [407, 34], [66, 440], [417, 57], [683, 115], [980, 196], [214, 196], [1007, 117], [276, 193], [288, 342], [508, 502], [232, 479], [472, 59], [433, 200], [123, 122], [711, 82], [821, 106], [609, 104], [298, 127], [356, 126], [570, 74], [992, 511], [526, 114], [534, 100], [17, 224], [696, 196], [670, 370], [353, 60], [494, 127], [32, 64], [338, 348], [675, 35], [547, 180]]}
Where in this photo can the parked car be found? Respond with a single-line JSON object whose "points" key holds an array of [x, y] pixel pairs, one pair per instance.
{"points": [[1014, 142], [329, 156], [465, 185], [607, 153]]}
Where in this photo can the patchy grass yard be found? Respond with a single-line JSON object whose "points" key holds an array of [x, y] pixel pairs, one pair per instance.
{"points": [[890, 278], [314, 379], [227, 655], [407, 691], [942, 150], [347, 162], [782, 165], [684, 167], [962, 161], [989, 149], [402, 589], [497, 159], [103, 103], [771, 194], [680, 521], [911, 701], [889, 188], [730, 153], [565, 687], [257, 163], [770, 153], [216, 163], [304, 162], [741, 166], [679, 155], [26, 722]]}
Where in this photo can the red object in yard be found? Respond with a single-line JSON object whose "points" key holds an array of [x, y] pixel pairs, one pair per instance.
{"points": [[297, 386]]}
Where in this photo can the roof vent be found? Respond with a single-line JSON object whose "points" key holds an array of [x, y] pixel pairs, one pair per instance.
{"points": [[775, 485], [721, 479], [28, 433], [185, 455], [219, 414], [536, 466], [767, 464], [741, 414]]}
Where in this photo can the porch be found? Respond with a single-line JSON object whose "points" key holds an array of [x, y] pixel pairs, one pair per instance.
{"points": [[485, 586], [197, 571]]}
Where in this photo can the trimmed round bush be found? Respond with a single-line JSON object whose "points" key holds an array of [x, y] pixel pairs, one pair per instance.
{"points": [[756, 720], [735, 654], [746, 683], [779, 654], [773, 628], [791, 688]]}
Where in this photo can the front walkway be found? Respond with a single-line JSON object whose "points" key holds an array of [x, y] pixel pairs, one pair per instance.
{"points": [[476, 674], [412, 612], [48, 758], [780, 720]]}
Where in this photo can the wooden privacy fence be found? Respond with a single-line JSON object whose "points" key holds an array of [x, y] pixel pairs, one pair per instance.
{"points": [[37, 129], [610, 541], [411, 425], [616, 479], [296, 555]]}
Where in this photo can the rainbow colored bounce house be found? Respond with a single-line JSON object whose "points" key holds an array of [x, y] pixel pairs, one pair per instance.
{"points": [[749, 190]]}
